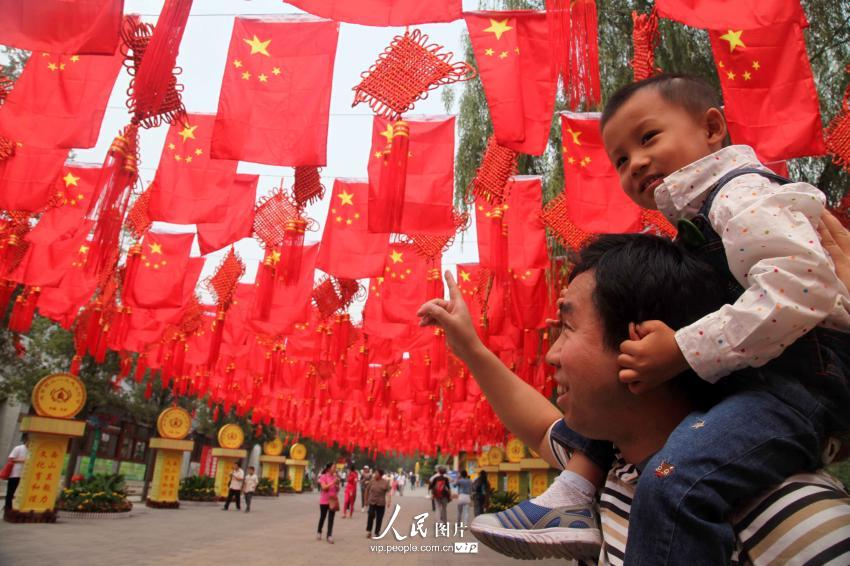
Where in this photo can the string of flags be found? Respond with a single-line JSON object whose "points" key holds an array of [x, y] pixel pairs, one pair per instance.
{"points": [[78, 243]]}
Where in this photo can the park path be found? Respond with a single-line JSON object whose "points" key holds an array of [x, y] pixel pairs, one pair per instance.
{"points": [[278, 530]]}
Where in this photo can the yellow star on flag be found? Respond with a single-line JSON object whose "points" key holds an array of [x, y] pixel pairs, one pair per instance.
{"points": [[489, 52], [275, 256], [263, 78], [503, 55], [756, 65], [188, 132], [258, 46], [464, 275], [346, 198], [575, 135], [246, 75], [734, 39], [75, 58], [388, 133], [171, 146], [731, 75], [747, 76], [52, 66], [84, 249], [396, 256], [156, 248], [276, 71], [237, 63], [498, 27], [199, 151], [70, 180]]}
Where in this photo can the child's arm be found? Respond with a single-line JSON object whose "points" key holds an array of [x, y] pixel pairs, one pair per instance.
{"points": [[520, 407], [773, 249]]}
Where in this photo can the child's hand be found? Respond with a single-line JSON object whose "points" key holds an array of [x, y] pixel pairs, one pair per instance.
{"points": [[453, 317], [650, 357]]}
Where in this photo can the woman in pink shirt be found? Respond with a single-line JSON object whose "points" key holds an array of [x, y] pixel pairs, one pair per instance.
{"points": [[328, 500], [350, 491]]}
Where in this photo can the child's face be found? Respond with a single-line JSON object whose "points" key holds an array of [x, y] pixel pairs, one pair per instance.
{"points": [[649, 138]]}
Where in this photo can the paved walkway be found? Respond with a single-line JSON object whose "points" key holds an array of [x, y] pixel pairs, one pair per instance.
{"points": [[277, 531]]}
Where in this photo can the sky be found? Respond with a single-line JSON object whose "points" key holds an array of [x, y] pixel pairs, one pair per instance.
{"points": [[203, 53]]}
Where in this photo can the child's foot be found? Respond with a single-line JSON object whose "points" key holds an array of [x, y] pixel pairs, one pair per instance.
{"points": [[331, 539], [319, 536], [530, 531]]}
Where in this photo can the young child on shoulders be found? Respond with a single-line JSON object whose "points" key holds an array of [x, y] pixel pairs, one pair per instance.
{"points": [[784, 334]]}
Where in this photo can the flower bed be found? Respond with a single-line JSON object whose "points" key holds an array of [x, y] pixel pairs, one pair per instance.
{"points": [[197, 488], [265, 487], [100, 494]]}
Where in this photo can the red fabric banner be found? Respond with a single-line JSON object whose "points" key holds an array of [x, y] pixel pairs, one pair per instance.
{"points": [[275, 96], [515, 64], [718, 14], [290, 304], [594, 198], [28, 178], [530, 299], [62, 303], [58, 26], [405, 285], [162, 267], [771, 102], [383, 12], [189, 186], [348, 250], [525, 233], [429, 186], [237, 222], [59, 100]]}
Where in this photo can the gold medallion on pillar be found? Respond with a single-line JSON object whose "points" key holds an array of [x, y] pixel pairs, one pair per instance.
{"points": [[516, 450], [298, 451], [174, 422], [495, 456], [60, 395], [273, 447], [231, 436]]}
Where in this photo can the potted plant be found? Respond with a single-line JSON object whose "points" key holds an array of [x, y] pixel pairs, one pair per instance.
{"points": [[197, 488], [99, 496]]}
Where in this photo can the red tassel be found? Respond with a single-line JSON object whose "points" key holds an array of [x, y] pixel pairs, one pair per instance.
{"points": [[529, 345], [439, 354], [149, 388], [131, 270], [838, 133], [141, 366], [7, 289], [574, 37], [292, 249], [215, 414], [498, 240], [24, 310], [385, 212], [435, 281], [76, 362], [644, 39], [112, 197], [217, 336], [265, 287]]}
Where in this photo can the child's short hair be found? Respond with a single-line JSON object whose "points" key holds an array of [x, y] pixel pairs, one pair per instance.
{"points": [[691, 93]]}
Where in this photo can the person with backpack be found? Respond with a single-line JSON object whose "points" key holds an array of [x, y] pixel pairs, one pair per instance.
{"points": [[441, 492], [480, 493]]}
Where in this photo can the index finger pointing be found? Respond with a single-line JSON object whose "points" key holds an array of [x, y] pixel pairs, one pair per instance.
{"points": [[454, 290]]}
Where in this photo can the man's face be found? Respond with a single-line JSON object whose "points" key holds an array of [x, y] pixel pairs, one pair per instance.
{"points": [[649, 138], [589, 391]]}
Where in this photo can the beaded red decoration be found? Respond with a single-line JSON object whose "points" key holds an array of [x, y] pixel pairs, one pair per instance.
{"points": [[138, 217], [497, 166], [838, 133], [404, 73], [332, 295], [644, 39], [308, 186], [223, 283], [7, 146]]}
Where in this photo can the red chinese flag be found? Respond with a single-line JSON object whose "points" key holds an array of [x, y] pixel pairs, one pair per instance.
{"points": [[429, 186], [189, 186], [525, 232], [515, 64], [405, 284], [60, 26], [59, 101], [237, 222], [769, 93], [275, 96], [290, 304], [28, 179], [718, 14], [348, 249], [235, 325], [45, 263], [529, 298], [596, 202], [62, 303], [72, 195], [162, 266], [383, 12], [169, 315]]}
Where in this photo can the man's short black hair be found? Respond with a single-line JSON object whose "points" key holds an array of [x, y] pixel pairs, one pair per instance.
{"points": [[693, 94], [641, 277]]}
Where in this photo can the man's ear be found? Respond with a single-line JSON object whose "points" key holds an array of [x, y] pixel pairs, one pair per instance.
{"points": [[715, 126]]}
